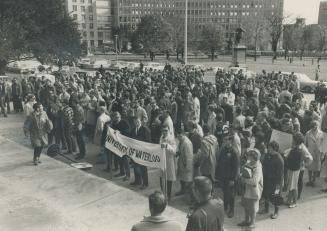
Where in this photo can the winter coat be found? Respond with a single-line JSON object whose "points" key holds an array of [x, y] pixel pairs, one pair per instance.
{"points": [[156, 223], [314, 145], [254, 185], [170, 157], [38, 127], [206, 157], [185, 161]]}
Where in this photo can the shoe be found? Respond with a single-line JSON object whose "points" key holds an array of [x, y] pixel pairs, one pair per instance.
{"points": [[274, 216], [292, 206], [134, 184], [309, 184], [126, 178], [78, 157], [243, 223], [119, 175], [264, 211], [230, 214], [180, 193]]}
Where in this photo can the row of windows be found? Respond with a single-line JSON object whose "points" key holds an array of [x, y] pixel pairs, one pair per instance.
{"points": [[83, 8], [101, 34], [83, 17], [83, 1], [192, 4]]}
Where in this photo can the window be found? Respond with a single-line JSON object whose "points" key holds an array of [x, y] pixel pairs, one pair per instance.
{"points": [[83, 17], [83, 25], [92, 43], [83, 8], [90, 9], [74, 8], [100, 34], [84, 33], [91, 17], [91, 25]]}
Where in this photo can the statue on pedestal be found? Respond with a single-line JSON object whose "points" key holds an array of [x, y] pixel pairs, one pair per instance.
{"points": [[238, 36]]}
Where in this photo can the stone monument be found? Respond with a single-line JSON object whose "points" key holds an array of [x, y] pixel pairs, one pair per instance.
{"points": [[239, 50]]}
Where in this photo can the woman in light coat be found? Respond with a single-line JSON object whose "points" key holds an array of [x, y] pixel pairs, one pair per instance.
{"points": [[185, 163], [313, 141], [168, 142], [38, 125], [253, 188]]}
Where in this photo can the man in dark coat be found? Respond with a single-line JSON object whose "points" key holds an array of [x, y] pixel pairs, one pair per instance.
{"points": [[16, 96], [123, 127], [208, 214], [142, 133], [3, 98], [228, 171]]}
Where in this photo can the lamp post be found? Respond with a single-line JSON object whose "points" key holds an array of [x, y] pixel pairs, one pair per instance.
{"points": [[185, 36], [116, 41]]}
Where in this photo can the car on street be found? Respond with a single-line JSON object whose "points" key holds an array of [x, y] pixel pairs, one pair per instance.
{"points": [[307, 84], [154, 66]]}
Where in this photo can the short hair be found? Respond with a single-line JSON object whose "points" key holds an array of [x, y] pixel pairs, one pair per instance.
{"points": [[157, 202], [206, 129], [298, 138], [203, 184], [274, 145], [36, 106]]}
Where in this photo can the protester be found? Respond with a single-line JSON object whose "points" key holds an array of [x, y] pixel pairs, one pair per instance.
{"points": [[37, 125], [253, 179], [157, 222], [208, 214]]}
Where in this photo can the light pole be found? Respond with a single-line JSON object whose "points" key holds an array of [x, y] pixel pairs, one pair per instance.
{"points": [[185, 36], [116, 41]]}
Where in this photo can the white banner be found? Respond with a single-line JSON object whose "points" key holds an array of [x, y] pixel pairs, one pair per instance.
{"points": [[147, 154], [283, 139]]}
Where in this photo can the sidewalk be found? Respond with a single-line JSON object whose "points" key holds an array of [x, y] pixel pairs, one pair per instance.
{"points": [[54, 196]]}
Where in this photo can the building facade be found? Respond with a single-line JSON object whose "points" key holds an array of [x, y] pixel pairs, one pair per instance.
{"points": [[322, 19], [94, 18], [229, 13]]}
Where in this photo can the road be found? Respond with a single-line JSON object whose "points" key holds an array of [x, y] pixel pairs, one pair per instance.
{"points": [[54, 196]]}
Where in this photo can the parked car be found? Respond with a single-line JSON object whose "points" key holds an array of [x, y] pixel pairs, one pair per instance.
{"points": [[215, 69], [236, 70], [154, 66], [307, 85]]}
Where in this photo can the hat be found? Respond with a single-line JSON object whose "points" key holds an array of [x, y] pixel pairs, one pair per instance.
{"points": [[255, 152]]}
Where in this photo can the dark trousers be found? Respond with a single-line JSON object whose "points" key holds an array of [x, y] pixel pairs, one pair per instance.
{"points": [[80, 143], [169, 186], [300, 184], [71, 146], [124, 165], [17, 103], [37, 152], [112, 159], [228, 196], [141, 174]]}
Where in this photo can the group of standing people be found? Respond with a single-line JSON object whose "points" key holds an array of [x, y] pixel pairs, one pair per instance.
{"points": [[218, 131]]}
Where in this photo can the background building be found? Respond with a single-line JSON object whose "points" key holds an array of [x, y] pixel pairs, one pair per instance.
{"points": [[94, 18], [322, 19], [229, 13]]}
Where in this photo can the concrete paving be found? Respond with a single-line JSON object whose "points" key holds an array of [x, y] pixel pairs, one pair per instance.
{"points": [[54, 196]]}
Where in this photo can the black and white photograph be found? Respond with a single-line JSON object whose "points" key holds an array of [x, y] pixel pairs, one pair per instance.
{"points": [[163, 115]]}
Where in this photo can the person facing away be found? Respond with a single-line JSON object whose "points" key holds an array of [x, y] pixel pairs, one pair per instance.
{"points": [[208, 214], [157, 222]]}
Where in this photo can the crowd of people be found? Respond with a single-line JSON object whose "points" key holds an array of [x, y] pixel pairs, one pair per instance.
{"points": [[220, 131]]}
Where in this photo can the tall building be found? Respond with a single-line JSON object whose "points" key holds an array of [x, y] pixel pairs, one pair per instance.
{"points": [[322, 19], [94, 18], [229, 13]]}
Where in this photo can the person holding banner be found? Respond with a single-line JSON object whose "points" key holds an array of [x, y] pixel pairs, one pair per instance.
{"points": [[142, 133], [168, 142]]}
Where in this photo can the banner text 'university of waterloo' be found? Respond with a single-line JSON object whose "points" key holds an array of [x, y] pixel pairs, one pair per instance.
{"points": [[147, 154]]}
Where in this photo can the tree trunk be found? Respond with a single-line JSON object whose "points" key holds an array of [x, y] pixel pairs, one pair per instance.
{"points": [[212, 55], [3, 64]]}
